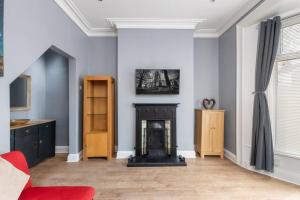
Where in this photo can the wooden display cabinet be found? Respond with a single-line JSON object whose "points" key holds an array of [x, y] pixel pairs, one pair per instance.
{"points": [[98, 117]]}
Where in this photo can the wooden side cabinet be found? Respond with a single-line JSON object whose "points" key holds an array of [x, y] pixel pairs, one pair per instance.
{"points": [[98, 117], [210, 132]]}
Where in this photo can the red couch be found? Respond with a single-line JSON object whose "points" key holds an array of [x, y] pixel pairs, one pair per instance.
{"points": [[47, 193]]}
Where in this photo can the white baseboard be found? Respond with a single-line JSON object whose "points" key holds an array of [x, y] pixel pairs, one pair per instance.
{"points": [[61, 149], [229, 155], [76, 157], [187, 154], [126, 154]]}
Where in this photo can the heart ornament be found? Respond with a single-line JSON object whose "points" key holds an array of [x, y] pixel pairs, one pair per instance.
{"points": [[209, 103]]}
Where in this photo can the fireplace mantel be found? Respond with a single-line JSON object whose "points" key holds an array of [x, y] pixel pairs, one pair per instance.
{"points": [[156, 104], [148, 153]]}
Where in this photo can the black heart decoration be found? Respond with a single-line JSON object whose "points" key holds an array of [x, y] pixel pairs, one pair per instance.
{"points": [[209, 103]]}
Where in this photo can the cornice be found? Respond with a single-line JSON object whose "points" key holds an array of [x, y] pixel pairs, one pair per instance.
{"points": [[139, 23]]}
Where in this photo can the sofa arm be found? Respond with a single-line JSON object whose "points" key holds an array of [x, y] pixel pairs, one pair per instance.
{"points": [[17, 158]]}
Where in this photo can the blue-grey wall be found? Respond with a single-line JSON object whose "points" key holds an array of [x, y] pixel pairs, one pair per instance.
{"points": [[206, 70], [30, 28], [227, 85], [50, 94], [37, 71], [155, 49], [102, 57], [57, 95]]}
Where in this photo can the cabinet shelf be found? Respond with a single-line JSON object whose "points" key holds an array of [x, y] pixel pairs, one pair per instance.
{"points": [[91, 97], [97, 132]]}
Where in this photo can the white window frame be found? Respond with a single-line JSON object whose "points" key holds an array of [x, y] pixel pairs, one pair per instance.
{"points": [[271, 93]]}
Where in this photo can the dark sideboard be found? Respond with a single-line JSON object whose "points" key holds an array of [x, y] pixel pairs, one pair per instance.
{"points": [[36, 140]]}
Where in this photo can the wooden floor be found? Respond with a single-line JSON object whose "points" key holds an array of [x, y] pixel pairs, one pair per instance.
{"points": [[211, 179]]}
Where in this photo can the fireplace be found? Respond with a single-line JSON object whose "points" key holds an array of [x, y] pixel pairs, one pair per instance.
{"points": [[156, 136]]}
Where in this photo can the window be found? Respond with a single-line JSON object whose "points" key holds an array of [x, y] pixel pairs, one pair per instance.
{"points": [[287, 89]]}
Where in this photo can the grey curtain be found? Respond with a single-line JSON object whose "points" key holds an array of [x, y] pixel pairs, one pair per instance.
{"points": [[262, 154]]}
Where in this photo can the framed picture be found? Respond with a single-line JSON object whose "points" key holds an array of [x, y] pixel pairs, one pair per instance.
{"points": [[157, 81], [1, 37]]}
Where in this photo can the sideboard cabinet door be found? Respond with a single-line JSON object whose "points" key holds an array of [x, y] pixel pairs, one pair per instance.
{"points": [[12, 140], [26, 141]]}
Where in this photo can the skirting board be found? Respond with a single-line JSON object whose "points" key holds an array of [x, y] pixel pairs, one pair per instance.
{"points": [[126, 154], [187, 154], [229, 155], [61, 149], [76, 157]]}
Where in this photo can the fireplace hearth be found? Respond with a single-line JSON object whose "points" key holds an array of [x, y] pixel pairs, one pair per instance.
{"points": [[156, 136]]}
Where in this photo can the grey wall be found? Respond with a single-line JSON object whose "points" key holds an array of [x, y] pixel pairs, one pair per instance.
{"points": [[50, 93], [227, 85], [30, 28], [155, 49], [37, 71], [102, 56], [57, 95], [206, 70]]}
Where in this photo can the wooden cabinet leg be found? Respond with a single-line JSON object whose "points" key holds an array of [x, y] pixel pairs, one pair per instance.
{"points": [[202, 155], [222, 156]]}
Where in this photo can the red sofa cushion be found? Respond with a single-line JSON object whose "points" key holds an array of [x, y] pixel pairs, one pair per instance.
{"points": [[58, 193], [44, 193], [18, 160]]}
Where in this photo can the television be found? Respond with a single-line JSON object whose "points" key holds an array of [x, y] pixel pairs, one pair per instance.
{"points": [[157, 81]]}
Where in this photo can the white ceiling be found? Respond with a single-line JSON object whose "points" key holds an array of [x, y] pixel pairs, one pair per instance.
{"points": [[214, 17]]}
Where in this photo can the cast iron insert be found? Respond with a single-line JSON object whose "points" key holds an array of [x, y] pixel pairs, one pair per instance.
{"points": [[156, 136]]}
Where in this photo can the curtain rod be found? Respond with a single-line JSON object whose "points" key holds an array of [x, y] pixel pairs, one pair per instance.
{"points": [[288, 17]]}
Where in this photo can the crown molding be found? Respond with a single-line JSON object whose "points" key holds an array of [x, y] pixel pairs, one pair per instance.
{"points": [[78, 18], [140, 23], [102, 32], [239, 15], [206, 33], [67, 7]]}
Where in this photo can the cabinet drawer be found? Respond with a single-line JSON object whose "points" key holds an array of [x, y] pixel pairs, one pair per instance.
{"points": [[96, 145]]}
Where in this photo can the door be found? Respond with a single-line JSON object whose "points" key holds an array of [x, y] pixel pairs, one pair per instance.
{"points": [[52, 137], [206, 138], [26, 141], [96, 145], [217, 127], [45, 141], [198, 130], [12, 140]]}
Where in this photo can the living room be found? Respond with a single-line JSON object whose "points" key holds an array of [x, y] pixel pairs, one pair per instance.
{"points": [[150, 99]]}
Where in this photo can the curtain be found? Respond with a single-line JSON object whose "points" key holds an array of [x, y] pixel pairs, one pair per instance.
{"points": [[262, 154]]}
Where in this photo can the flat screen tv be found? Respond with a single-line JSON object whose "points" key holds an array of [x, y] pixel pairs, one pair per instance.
{"points": [[157, 81]]}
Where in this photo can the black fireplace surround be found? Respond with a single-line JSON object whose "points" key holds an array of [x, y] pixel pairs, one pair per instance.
{"points": [[156, 136]]}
